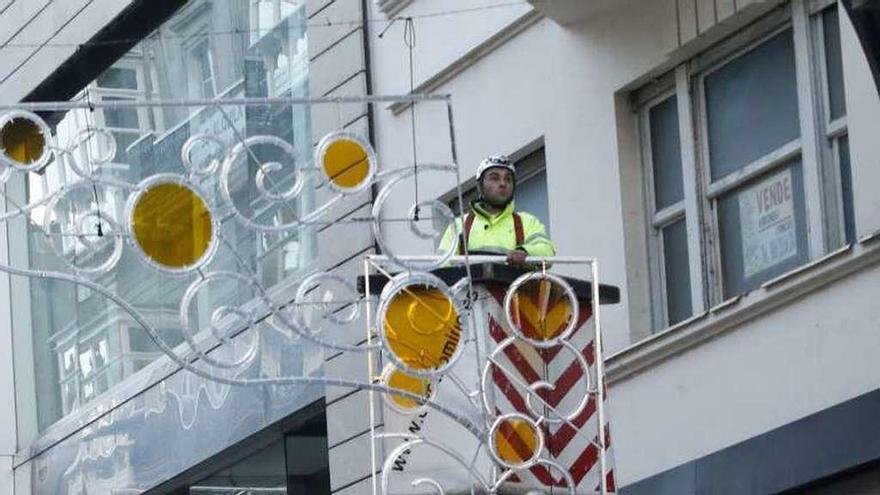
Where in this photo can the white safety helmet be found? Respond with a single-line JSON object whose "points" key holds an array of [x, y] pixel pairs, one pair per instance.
{"points": [[495, 161]]}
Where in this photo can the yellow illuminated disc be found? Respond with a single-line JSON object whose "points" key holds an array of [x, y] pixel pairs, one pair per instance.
{"points": [[421, 327], [172, 225], [540, 309], [402, 380], [516, 441], [346, 163], [22, 140]]}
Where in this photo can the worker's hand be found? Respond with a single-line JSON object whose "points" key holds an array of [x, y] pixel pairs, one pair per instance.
{"points": [[517, 258]]}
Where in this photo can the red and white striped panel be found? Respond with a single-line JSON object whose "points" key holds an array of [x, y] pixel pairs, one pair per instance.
{"points": [[573, 448]]}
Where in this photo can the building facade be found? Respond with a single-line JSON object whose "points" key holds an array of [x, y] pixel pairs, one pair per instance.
{"points": [[716, 156]]}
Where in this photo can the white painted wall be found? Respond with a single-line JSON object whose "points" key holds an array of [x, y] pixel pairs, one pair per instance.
{"points": [[803, 358], [863, 118], [562, 84]]}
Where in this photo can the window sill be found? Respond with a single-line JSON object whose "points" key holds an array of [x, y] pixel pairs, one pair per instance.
{"points": [[738, 310]]}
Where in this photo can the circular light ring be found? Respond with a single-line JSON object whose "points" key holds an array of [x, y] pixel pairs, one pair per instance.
{"points": [[510, 299], [81, 138], [30, 126], [316, 281], [157, 192], [105, 219], [347, 161], [394, 179], [394, 377], [191, 144], [189, 334], [240, 150], [535, 387], [515, 441], [428, 337], [437, 209]]}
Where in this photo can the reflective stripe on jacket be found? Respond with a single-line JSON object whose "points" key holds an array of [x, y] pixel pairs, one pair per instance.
{"points": [[498, 235]]}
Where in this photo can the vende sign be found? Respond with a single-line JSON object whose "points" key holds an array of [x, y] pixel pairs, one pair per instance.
{"points": [[767, 223]]}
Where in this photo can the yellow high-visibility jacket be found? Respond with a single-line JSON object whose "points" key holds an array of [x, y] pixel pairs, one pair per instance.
{"points": [[498, 234]]}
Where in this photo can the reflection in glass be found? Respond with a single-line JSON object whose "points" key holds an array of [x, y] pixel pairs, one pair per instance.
{"points": [[677, 269], [751, 105], [833, 63], [295, 464], [849, 218], [82, 344], [666, 153]]}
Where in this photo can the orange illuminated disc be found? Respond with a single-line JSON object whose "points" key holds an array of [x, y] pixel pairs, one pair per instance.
{"points": [[516, 441], [401, 380], [346, 163], [22, 140], [541, 310], [422, 328], [172, 225]]}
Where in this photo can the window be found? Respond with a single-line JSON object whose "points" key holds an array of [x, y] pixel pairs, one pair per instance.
{"points": [[531, 188], [738, 189], [664, 157], [203, 72], [125, 81], [835, 145]]}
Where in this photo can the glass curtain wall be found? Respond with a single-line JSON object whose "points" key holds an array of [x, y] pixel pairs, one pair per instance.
{"points": [[77, 344]]}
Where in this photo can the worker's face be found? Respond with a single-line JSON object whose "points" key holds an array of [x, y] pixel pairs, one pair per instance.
{"points": [[497, 186]]}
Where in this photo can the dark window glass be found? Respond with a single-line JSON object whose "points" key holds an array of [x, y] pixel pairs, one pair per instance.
{"points": [[118, 78], [752, 105], [666, 153], [531, 196], [123, 118], [849, 220], [123, 141], [763, 229], [678, 280], [296, 464], [834, 63]]}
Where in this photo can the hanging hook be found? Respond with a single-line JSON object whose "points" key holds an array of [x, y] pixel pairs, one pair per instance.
{"points": [[409, 33], [388, 26]]}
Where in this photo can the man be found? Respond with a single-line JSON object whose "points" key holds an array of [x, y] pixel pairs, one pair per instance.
{"points": [[492, 225]]}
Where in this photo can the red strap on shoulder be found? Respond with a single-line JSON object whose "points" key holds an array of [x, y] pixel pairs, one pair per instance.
{"points": [[518, 229], [465, 232]]}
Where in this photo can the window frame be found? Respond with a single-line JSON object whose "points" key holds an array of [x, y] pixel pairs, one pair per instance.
{"points": [[662, 218], [769, 163], [194, 52], [830, 131], [816, 148]]}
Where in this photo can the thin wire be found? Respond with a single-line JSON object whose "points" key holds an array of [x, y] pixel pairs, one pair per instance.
{"points": [[326, 23], [409, 39], [88, 96]]}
